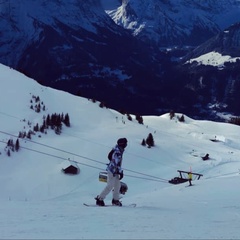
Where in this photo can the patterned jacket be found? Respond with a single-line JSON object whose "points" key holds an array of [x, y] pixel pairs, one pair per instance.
{"points": [[115, 164]]}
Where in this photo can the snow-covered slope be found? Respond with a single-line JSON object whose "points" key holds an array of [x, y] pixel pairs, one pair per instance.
{"points": [[38, 201], [214, 59]]}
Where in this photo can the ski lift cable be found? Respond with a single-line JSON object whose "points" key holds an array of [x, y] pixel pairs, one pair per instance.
{"points": [[88, 165], [51, 147], [73, 153], [126, 151], [55, 156], [221, 175], [77, 155], [149, 179], [147, 175], [8, 115]]}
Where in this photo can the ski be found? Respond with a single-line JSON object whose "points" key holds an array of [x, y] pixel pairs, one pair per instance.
{"points": [[110, 205]]}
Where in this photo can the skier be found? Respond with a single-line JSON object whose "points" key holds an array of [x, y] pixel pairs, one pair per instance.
{"points": [[115, 174], [190, 178]]}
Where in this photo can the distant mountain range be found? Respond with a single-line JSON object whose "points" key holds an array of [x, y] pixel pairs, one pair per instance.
{"points": [[133, 55], [175, 22]]}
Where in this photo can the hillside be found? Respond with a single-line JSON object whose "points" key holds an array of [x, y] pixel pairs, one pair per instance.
{"points": [[39, 201]]}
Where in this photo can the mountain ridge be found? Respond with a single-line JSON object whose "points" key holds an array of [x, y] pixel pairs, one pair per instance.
{"points": [[78, 48], [176, 22]]}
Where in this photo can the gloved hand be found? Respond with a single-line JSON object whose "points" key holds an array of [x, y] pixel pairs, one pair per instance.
{"points": [[120, 175]]}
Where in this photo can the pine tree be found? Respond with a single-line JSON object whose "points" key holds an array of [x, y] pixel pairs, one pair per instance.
{"points": [[29, 134], [101, 104], [48, 121], [59, 121], [139, 119], [20, 135], [129, 117], [44, 124], [42, 128], [67, 120], [17, 146], [10, 143], [143, 142], [181, 119], [150, 140], [37, 99], [36, 128], [53, 120], [24, 134], [172, 114], [58, 130]]}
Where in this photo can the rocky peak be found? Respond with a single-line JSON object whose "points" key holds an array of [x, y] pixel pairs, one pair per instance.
{"points": [[176, 22]]}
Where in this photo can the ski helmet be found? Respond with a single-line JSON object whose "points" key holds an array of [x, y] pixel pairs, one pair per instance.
{"points": [[122, 142]]}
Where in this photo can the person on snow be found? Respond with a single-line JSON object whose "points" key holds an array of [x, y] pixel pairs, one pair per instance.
{"points": [[115, 174], [190, 178]]}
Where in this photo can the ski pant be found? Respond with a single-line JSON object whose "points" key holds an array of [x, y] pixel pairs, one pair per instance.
{"points": [[113, 183]]}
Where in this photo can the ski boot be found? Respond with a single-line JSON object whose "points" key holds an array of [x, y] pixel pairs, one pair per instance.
{"points": [[99, 201], [116, 203]]}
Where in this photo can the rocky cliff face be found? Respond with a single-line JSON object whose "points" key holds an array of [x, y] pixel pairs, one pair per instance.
{"points": [[176, 22]]}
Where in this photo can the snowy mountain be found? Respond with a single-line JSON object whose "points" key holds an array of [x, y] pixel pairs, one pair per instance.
{"points": [[176, 22], [25, 23], [39, 201], [115, 51], [60, 37], [70, 46], [211, 72], [227, 42]]}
